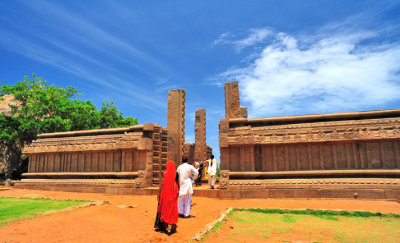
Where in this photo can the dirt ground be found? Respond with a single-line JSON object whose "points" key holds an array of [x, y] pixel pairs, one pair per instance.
{"points": [[116, 223]]}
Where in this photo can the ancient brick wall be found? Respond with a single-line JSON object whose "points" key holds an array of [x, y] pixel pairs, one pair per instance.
{"points": [[176, 124]]}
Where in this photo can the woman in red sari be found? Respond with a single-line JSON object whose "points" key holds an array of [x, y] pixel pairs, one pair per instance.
{"points": [[167, 210]]}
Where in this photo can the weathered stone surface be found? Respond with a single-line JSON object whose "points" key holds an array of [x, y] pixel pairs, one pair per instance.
{"points": [[232, 101], [224, 179], [243, 110], [102, 153], [223, 133], [189, 152], [7, 183], [176, 124], [354, 140], [200, 135]]}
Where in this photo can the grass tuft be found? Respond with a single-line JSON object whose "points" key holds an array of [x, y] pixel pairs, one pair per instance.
{"points": [[14, 209], [318, 212]]}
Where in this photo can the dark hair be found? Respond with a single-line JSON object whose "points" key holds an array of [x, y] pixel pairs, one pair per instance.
{"points": [[212, 156], [184, 160]]}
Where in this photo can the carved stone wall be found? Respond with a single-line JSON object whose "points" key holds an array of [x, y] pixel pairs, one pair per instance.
{"points": [[354, 140], [200, 135], [243, 112], [189, 152], [176, 124], [103, 153], [209, 152], [232, 100]]}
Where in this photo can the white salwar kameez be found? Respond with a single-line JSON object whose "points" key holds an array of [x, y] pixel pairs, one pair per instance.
{"points": [[185, 172], [212, 172]]}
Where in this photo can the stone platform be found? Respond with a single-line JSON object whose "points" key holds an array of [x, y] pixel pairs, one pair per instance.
{"points": [[359, 188]]}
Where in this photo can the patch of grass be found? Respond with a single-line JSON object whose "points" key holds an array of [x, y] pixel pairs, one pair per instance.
{"points": [[289, 218], [217, 226], [339, 238], [312, 225], [14, 209], [328, 217], [318, 212]]}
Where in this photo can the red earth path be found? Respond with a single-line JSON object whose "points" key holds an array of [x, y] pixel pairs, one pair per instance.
{"points": [[116, 223]]}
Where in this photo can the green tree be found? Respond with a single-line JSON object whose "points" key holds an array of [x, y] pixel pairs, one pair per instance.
{"points": [[42, 108], [111, 117]]}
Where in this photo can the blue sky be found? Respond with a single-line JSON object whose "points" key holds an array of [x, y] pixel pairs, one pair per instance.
{"points": [[290, 57]]}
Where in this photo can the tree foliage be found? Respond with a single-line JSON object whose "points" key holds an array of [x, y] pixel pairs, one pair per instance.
{"points": [[43, 108]]}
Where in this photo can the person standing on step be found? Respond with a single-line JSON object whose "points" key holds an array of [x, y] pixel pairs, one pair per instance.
{"points": [[212, 171], [185, 172]]}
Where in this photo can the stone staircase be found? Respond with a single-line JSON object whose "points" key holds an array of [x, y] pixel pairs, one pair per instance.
{"points": [[160, 137]]}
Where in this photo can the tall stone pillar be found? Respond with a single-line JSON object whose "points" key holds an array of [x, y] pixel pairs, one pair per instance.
{"points": [[200, 135], [176, 124], [232, 100]]}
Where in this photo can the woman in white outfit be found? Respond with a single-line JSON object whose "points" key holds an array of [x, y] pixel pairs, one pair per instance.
{"points": [[212, 171]]}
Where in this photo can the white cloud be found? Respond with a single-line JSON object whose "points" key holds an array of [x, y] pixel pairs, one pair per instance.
{"points": [[324, 72], [255, 36], [222, 39]]}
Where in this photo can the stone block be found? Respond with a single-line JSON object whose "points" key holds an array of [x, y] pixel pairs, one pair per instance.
{"points": [[200, 135], [148, 127], [232, 100], [176, 124], [7, 183], [243, 112]]}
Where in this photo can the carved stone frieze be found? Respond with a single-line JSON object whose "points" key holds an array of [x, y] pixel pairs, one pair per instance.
{"points": [[224, 179], [86, 143], [140, 180], [329, 131]]}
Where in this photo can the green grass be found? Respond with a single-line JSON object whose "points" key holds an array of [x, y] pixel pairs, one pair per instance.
{"points": [[14, 209], [321, 212], [284, 225]]}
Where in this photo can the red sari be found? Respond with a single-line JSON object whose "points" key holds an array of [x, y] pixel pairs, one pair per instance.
{"points": [[167, 209]]}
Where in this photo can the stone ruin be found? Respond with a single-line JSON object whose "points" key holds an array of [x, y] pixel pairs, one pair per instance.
{"points": [[118, 160], [336, 155], [345, 155], [198, 150]]}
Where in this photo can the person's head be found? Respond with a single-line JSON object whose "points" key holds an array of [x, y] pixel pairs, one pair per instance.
{"points": [[170, 166], [196, 165], [212, 156], [184, 160], [170, 170]]}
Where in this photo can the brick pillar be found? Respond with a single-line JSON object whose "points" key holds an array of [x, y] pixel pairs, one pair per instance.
{"points": [[200, 135], [176, 124], [232, 100]]}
